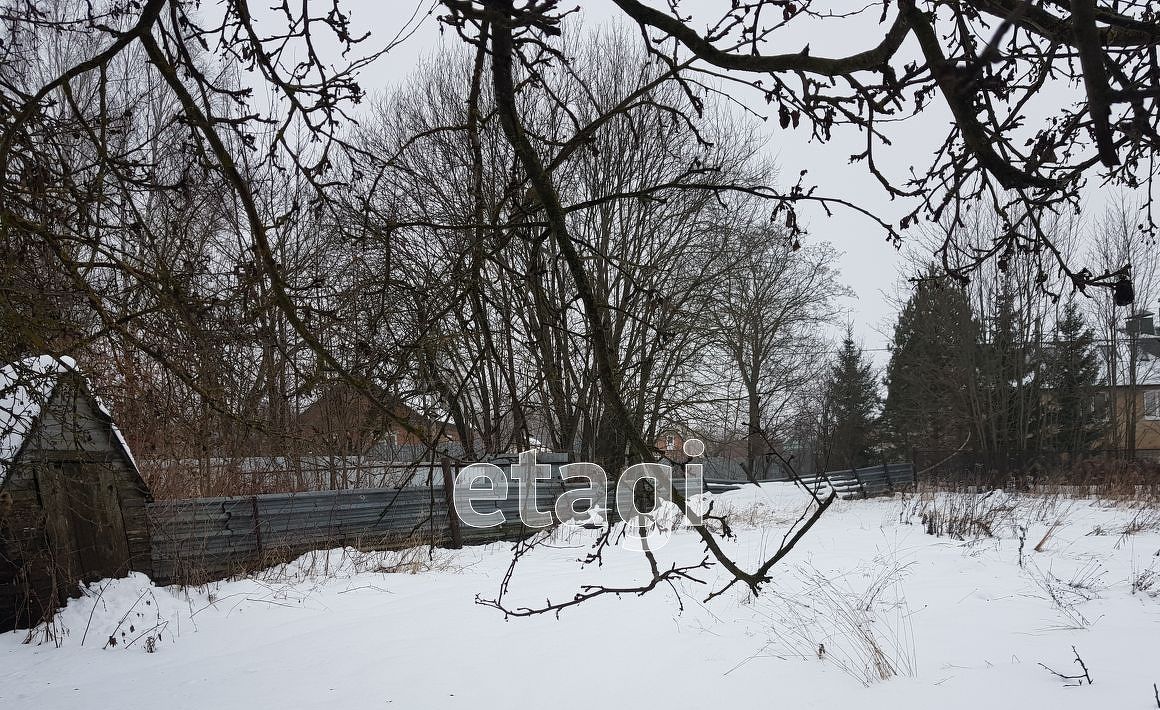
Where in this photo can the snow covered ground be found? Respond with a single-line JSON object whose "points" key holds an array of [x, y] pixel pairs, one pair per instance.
{"points": [[906, 619]]}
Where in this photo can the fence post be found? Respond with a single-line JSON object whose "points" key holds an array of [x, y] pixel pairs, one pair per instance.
{"points": [[449, 498], [858, 479], [257, 527]]}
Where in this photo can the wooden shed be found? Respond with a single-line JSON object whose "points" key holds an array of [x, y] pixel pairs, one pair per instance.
{"points": [[72, 502]]}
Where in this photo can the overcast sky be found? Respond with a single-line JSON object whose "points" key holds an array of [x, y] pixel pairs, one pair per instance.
{"points": [[871, 266]]}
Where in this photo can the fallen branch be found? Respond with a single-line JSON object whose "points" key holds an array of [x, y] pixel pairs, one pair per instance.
{"points": [[1079, 679]]}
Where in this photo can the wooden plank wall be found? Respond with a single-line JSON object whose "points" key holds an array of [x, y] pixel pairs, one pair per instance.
{"points": [[34, 554]]}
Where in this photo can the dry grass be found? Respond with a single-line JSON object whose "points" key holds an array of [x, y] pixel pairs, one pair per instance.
{"points": [[756, 514], [961, 516], [968, 516], [1064, 597], [1051, 529], [862, 630], [347, 561], [1146, 519], [1111, 480], [1146, 581]]}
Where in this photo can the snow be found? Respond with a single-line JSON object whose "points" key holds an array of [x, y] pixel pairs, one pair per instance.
{"points": [[25, 387], [950, 623]]}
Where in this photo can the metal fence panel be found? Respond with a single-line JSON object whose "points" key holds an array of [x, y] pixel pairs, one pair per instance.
{"points": [[203, 539]]}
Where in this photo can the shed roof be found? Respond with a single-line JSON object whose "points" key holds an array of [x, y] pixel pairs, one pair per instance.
{"points": [[25, 388]]}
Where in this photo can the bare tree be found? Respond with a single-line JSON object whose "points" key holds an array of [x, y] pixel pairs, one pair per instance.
{"points": [[992, 64], [228, 231], [768, 319]]}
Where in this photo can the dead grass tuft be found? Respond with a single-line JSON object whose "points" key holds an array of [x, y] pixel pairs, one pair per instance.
{"points": [[865, 632]]}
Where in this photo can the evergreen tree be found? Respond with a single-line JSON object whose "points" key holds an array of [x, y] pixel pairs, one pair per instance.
{"points": [[1008, 400], [851, 402], [1072, 377], [931, 370]]}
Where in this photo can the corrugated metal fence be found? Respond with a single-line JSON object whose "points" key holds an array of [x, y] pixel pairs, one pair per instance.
{"points": [[865, 482], [204, 539], [211, 538]]}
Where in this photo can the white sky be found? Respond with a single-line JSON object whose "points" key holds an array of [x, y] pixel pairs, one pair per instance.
{"points": [[869, 265]]}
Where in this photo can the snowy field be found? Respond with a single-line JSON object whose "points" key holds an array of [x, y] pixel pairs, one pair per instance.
{"points": [[870, 611]]}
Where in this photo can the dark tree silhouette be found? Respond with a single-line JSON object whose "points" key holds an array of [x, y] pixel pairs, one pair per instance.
{"points": [[991, 63], [1072, 378], [849, 434], [165, 122], [931, 370]]}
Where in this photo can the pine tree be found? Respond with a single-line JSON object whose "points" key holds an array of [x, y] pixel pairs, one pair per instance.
{"points": [[931, 370], [1010, 416], [1072, 377], [849, 436]]}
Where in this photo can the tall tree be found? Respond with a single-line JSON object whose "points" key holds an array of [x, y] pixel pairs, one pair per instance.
{"points": [[849, 430], [1006, 397], [1072, 377], [80, 175], [765, 321], [931, 365], [990, 63]]}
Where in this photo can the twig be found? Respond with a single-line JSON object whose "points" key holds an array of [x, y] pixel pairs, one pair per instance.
{"points": [[89, 623], [1082, 665], [955, 453], [160, 625], [1079, 679], [112, 637], [1047, 535]]}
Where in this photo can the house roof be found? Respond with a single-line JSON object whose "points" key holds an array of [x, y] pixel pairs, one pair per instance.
{"points": [[344, 409], [25, 388]]}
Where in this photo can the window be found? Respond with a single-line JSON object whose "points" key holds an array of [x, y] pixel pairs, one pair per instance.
{"points": [[670, 442], [1152, 404], [1099, 405]]}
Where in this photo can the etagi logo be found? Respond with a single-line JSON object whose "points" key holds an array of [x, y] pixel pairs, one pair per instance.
{"points": [[481, 488]]}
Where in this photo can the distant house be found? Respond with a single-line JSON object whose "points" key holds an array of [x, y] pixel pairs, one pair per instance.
{"points": [[72, 502], [1132, 387], [344, 421], [670, 440], [722, 459]]}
